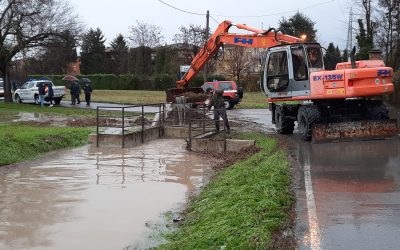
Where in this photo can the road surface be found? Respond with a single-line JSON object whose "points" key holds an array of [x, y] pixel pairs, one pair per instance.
{"points": [[348, 193]]}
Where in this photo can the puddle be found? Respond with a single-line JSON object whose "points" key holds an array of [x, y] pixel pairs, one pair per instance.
{"points": [[21, 117], [90, 198], [253, 119]]}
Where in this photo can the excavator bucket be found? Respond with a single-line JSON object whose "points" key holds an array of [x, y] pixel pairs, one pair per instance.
{"points": [[192, 95], [354, 130]]}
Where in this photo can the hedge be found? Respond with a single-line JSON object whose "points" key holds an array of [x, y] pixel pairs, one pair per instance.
{"points": [[131, 82]]}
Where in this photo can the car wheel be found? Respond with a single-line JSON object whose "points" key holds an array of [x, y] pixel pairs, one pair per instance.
{"points": [[228, 104], [57, 100], [17, 99]]}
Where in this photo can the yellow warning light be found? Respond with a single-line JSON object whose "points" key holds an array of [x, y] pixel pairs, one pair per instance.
{"points": [[303, 37]]}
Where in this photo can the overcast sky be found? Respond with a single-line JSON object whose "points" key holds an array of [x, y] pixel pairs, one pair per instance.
{"points": [[114, 17]]}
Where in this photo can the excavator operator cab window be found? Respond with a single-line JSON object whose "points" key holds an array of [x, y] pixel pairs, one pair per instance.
{"points": [[277, 71], [300, 71], [314, 57]]}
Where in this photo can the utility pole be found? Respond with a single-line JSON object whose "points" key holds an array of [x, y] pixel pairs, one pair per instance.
{"points": [[206, 36], [349, 44]]}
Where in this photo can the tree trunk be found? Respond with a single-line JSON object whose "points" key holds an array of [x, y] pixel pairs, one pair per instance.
{"points": [[7, 85]]}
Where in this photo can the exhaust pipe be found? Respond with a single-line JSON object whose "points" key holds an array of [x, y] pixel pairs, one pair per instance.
{"points": [[352, 60]]}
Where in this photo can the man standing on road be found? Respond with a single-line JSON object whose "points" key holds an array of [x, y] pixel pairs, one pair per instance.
{"points": [[78, 92], [219, 109], [42, 93], [87, 89]]}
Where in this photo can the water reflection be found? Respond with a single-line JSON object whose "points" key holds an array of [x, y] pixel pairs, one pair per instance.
{"points": [[104, 197]]}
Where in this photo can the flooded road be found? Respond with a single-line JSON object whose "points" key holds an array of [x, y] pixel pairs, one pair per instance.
{"points": [[89, 198]]}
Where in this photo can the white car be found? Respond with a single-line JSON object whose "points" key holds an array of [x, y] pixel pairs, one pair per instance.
{"points": [[1, 87], [28, 92]]}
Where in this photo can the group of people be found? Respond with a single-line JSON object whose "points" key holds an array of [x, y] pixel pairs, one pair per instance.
{"points": [[75, 91]]}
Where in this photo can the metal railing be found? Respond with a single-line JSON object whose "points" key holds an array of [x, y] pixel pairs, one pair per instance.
{"points": [[130, 116], [202, 125]]}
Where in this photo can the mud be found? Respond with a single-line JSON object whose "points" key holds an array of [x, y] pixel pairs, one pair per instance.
{"points": [[90, 198]]}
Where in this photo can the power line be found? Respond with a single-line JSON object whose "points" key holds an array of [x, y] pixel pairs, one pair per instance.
{"points": [[188, 12], [215, 20], [281, 13], [226, 16]]}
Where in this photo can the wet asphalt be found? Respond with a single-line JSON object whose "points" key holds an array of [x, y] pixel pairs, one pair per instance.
{"points": [[348, 193]]}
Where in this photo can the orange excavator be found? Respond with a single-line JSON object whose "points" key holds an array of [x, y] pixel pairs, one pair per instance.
{"points": [[339, 104]]}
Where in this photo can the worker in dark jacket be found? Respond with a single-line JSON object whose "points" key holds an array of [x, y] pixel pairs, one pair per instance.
{"points": [[50, 93], [219, 109]]}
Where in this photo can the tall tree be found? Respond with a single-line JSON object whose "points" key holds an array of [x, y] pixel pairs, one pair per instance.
{"points": [[388, 31], [119, 55], [93, 55], [146, 37], [365, 42], [297, 25], [189, 40], [239, 62], [29, 24], [56, 56]]}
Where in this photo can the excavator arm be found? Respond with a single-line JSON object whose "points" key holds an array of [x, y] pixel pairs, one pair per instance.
{"points": [[260, 39]]}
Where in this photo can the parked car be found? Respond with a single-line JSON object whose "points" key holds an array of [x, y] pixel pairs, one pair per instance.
{"points": [[232, 94], [28, 92], [1, 87]]}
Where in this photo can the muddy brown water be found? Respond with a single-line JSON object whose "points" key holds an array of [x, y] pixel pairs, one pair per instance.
{"points": [[89, 198]]}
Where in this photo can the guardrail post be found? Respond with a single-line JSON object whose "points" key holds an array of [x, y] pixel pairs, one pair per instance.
{"points": [[142, 124], [203, 117], [123, 127], [159, 120], [190, 130], [97, 127]]}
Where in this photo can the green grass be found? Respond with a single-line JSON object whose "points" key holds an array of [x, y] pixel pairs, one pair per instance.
{"points": [[125, 96], [18, 143], [251, 100], [242, 206], [17, 107]]}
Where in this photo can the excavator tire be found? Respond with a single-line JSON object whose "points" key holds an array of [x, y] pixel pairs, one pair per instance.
{"points": [[377, 110], [308, 115], [283, 124]]}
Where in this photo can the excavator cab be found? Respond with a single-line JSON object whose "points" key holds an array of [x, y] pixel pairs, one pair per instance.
{"points": [[287, 69]]}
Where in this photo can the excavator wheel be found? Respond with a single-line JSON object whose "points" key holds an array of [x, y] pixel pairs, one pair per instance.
{"points": [[377, 110], [308, 115], [283, 124]]}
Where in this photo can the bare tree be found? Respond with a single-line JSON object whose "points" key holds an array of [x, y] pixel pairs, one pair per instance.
{"points": [[189, 41], [239, 62], [28, 24], [145, 35]]}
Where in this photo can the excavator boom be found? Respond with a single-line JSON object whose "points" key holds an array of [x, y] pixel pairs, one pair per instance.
{"points": [[259, 39]]}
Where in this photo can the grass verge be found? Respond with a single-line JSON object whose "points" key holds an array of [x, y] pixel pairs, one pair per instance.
{"points": [[18, 143], [17, 107], [251, 100], [242, 206]]}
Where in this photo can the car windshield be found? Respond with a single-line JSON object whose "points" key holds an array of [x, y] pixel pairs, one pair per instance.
{"points": [[225, 86], [44, 83], [207, 86]]}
